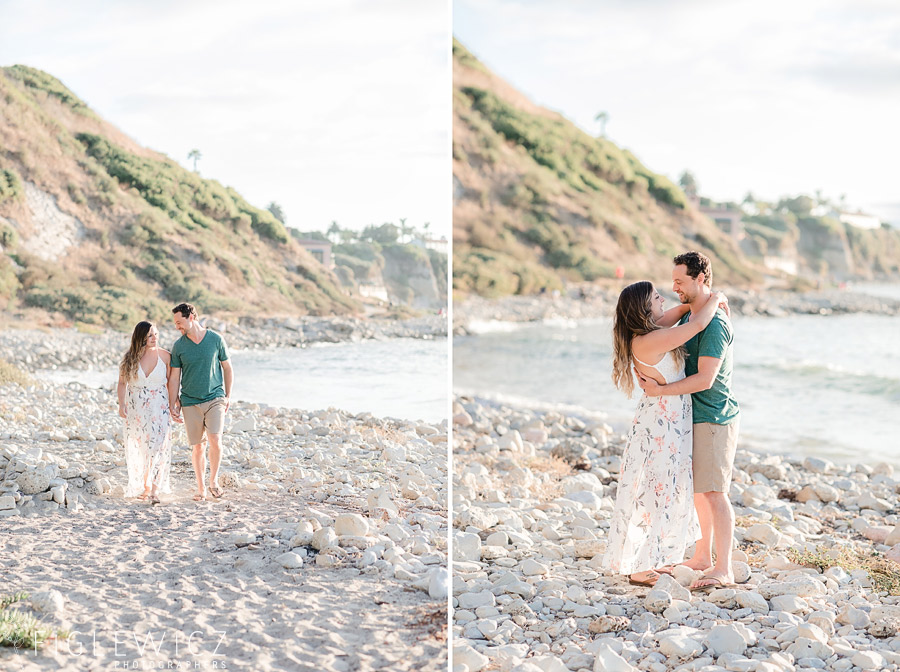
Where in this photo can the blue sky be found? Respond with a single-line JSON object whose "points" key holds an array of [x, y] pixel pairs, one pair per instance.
{"points": [[336, 110], [768, 96]]}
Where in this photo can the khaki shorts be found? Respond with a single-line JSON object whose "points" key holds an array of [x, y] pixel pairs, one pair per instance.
{"points": [[209, 415], [714, 448]]}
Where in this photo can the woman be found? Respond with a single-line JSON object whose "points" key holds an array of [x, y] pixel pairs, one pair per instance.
{"points": [[144, 403], [654, 518]]}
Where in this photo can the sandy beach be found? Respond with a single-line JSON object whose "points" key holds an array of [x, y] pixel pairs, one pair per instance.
{"points": [[818, 547], [327, 551]]}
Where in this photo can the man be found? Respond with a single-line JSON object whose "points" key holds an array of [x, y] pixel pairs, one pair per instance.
{"points": [[202, 369], [708, 369]]}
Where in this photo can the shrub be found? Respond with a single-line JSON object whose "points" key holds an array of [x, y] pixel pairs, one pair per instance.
{"points": [[9, 237], [10, 185]]}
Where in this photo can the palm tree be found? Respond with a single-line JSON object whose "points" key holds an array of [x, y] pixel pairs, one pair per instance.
{"points": [[334, 231], [405, 230], [602, 117], [425, 227], [196, 156]]}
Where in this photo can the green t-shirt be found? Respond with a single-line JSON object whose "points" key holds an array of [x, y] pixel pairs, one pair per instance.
{"points": [[201, 370], [716, 405]]}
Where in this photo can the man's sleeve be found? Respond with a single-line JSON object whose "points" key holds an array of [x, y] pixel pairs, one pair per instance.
{"points": [[223, 350], [715, 339], [175, 361]]}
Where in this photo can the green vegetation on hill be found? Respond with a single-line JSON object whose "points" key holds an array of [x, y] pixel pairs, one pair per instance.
{"points": [[540, 202], [150, 233]]}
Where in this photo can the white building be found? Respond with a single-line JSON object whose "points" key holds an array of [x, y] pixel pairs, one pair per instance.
{"points": [[860, 220]]}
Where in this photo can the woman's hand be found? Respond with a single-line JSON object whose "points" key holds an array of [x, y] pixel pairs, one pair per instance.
{"points": [[650, 387], [722, 302], [122, 411]]}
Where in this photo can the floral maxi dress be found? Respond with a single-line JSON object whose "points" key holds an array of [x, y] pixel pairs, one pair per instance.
{"points": [[654, 518], [148, 435]]}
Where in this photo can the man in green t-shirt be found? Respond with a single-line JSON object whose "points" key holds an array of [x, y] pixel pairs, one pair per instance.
{"points": [[202, 370], [708, 369]]}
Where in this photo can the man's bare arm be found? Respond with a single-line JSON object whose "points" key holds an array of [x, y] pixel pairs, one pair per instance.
{"points": [[228, 375], [707, 370], [174, 384]]}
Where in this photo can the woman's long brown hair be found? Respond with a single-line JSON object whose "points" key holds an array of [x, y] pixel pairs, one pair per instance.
{"points": [[634, 317], [128, 367]]}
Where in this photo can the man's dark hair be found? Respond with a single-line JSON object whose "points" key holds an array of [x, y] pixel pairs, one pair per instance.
{"points": [[696, 264], [186, 310]]}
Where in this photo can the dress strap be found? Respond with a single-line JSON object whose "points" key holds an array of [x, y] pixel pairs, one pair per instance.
{"points": [[652, 366]]}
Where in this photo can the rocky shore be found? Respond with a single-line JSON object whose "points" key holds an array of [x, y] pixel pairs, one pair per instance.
{"points": [[816, 560], [74, 349], [328, 549], [590, 301]]}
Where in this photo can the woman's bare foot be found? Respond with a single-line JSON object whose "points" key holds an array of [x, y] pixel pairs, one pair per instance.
{"points": [[145, 494], [668, 569]]}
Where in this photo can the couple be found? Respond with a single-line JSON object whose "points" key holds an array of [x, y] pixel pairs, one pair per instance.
{"points": [[149, 383], [684, 435]]}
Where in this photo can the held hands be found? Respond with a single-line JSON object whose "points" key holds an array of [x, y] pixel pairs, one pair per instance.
{"points": [[175, 411], [227, 403], [122, 411]]}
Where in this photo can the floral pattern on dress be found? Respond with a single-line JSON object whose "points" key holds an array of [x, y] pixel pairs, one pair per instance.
{"points": [[654, 518], [148, 434]]}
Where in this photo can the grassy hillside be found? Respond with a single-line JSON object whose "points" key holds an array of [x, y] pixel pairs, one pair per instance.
{"points": [[148, 232], [537, 201]]}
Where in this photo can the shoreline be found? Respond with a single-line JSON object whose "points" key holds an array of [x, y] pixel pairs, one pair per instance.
{"points": [[817, 560], [586, 302], [57, 347], [325, 514]]}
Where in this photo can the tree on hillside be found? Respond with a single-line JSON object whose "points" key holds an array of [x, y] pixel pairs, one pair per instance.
{"points": [[425, 227], [348, 236], [799, 205], [196, 156], [688, 183], [276, 211], [602, 117], [405, 231], [334, 231], [386, 234]]}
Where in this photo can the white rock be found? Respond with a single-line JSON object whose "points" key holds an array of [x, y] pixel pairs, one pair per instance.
{"points": [[763, 533], [849, 615], [466, 547], [48, 602], [290, 560], [725, 639], [323, 538], [818, 465], [673, 588], [465, 655], [657, 601], [790, 604], [484, 598], [869, 660], [803, 586], [438, 584], [351, 524], [7, 502], [531, 567], [679, 646], [608, 660]]}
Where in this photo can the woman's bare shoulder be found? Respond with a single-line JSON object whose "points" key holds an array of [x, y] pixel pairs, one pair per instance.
{"points": [[165, 355]]}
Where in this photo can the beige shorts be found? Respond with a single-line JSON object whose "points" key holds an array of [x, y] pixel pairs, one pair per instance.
{"points": [[714, 448], [209, 415]]}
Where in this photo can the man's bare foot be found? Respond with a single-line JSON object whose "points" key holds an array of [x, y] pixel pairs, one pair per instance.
{"points": [[200, 497], [713, 579], [697, 565]]}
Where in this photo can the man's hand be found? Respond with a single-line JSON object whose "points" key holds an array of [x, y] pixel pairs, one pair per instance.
{"points": [[650, 387], [176, 414], [227, 403]]}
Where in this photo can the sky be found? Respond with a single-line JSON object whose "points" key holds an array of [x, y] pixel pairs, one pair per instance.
{"points": [[771, 97], [337, 110]]}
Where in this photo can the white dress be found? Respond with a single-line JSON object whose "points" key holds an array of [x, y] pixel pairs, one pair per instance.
{"points": [[148, 435], [654, 518]]}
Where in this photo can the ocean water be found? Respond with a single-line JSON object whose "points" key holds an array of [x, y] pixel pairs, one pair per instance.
{"points": [[827, 386], [401, 378]]}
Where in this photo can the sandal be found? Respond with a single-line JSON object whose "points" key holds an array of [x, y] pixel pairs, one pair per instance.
{"points": [[154, 499], [200, 497], [215, 491], [143, 497], [649, 581], [717, 582]]}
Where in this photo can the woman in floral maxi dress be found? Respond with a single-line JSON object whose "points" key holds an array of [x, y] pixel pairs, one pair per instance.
{"points": [[654, 518], [144, 404]]}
